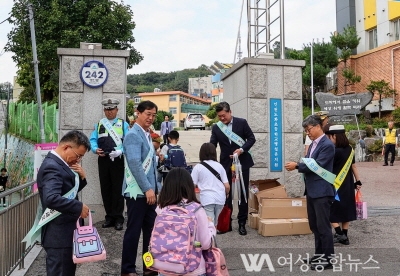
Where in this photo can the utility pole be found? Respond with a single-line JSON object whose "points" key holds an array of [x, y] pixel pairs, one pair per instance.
{"points": [[36, 70], [6, 127]]}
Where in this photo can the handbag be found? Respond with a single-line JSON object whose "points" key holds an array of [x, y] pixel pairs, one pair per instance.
{"points": [[361, 206], [215, 260], [87, 245], [224, 220]]}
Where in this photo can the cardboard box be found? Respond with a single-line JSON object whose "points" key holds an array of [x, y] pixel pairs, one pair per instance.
{"points": [[251, 210], [283, 227], [253, 220], [268, 188], [283, 208]]}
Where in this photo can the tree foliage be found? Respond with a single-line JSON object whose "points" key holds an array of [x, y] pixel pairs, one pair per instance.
{"points": [[346, 42], [324, 59], [383, 90], [64, 24], [160, 118], [173, 81]]}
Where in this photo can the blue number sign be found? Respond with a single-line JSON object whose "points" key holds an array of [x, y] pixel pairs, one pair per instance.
{"points": [[94, 74], [275, 124]]}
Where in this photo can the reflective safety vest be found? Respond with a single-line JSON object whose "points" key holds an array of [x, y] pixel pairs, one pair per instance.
{"points": [[390, 137], [104, 140]]}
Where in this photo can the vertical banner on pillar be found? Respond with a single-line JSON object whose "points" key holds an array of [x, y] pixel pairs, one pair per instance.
{"points": [[275, 117]]}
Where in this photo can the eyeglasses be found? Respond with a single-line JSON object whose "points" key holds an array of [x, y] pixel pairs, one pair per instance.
{"points": [[307, 130], [78, 156]]}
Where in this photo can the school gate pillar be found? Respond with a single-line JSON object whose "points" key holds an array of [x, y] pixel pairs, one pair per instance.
{"points": [[268, 94], [88, 75]]}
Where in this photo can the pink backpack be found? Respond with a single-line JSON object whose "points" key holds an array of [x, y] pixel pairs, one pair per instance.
{"points": [[172, 243], [215, 261], [87, 245]]}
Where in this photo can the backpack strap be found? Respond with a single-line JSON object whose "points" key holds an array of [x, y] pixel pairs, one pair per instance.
{"points": [[211, 169]]}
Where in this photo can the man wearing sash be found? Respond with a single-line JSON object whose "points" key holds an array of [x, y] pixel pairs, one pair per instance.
{"points": [[140, 187], [234, 136], [317, 169], [106, 142], [59, 180], [324, 115]]}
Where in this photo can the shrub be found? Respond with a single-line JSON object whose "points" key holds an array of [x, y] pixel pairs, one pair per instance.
{"points": [[379, 123], [376, 147]]}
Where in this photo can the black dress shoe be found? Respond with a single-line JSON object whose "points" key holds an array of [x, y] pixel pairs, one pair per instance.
{"points": [[119, 226], [391, 164], [384, 164], [108, 224], [242, 230], [321, 266]]}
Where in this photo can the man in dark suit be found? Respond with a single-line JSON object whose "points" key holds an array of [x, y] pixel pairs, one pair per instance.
{"points": [[59, 174], [229, 147], [140, 201], [319, 191]]}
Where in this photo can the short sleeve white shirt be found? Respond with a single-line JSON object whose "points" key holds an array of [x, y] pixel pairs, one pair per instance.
{"points": [[212, 190]]}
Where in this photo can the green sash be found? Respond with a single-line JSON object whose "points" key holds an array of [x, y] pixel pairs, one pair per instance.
{"points": [[230, 134], [48, 215], [132, 187], [326, 175], [313, 166]]}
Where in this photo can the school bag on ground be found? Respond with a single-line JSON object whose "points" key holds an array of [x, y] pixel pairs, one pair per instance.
{"points": [[176, 158], [173, 247], [87, 245], [215, 261]]}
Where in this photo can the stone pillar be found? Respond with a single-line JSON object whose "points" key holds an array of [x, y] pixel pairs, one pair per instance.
{"points": [[80, 107], [249, 87]]}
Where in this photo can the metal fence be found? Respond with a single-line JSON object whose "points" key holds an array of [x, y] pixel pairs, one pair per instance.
{"points": [[24, 121], [15, 222]]}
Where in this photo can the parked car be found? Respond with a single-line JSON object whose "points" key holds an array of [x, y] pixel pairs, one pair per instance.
{"points": [[194, 120]]}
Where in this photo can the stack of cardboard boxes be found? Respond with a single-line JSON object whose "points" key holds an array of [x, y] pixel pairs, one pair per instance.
{"points": [[272, 213]]}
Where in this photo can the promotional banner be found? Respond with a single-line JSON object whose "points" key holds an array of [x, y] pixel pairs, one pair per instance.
{"points": [[41, 151]]}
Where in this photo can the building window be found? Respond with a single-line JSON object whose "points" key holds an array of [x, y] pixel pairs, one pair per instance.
{"points": [[372, 39], [172, 110], [396, 29], [137, 100], [172, 98]]}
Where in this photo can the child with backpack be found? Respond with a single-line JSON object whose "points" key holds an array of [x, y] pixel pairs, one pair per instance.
{"points": [[172, 155], [181, 230], [210, 177]]}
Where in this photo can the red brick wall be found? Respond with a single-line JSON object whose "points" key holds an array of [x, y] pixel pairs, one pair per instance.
{"points": [[375, 65]]}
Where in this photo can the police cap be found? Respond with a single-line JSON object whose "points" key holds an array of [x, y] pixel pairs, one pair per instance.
{"points": [[110, 103]]}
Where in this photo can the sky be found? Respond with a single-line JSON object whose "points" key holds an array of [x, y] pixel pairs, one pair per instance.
{"points": [[178, 34]]}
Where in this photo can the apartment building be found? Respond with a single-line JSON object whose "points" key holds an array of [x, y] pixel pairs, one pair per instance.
{"points": [[377, 56]]}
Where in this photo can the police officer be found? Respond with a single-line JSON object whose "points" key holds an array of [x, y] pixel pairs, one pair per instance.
{"points": [[106, 142]]}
